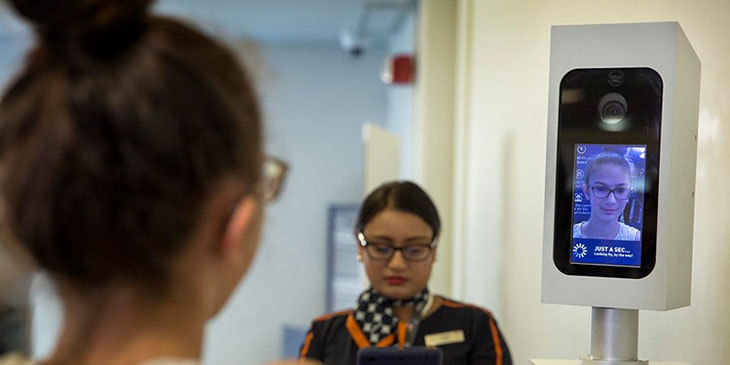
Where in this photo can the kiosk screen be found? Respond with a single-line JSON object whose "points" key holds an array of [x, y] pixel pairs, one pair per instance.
{"points": [[608, 191]]}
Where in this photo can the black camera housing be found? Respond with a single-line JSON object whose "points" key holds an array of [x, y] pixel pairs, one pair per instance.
{"points": [[607, 106]]}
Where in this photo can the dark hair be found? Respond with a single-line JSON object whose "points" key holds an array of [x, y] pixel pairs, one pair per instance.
{"points": [[404, 196], [607, 157], [114, 135]]}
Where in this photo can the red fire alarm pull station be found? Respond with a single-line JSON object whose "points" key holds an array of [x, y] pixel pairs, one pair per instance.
{"points": [[399, 69]]}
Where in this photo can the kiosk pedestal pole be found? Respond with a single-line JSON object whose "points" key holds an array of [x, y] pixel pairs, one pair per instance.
{"points": [[614, 337], [614, 340]]}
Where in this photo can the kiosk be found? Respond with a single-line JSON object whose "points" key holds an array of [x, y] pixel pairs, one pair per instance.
{"points": [[620, 178]]}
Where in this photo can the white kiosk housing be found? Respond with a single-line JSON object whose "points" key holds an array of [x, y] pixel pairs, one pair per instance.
{"points": [[650, 70]]}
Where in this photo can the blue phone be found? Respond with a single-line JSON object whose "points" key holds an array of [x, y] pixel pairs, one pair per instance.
{"points": [[417, 355]]}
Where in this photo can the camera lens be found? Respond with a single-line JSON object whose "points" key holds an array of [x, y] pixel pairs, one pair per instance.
{"points": [[612, 108]]}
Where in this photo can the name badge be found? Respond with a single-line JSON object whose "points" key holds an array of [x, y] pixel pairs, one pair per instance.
{"points": [[444, 338]]}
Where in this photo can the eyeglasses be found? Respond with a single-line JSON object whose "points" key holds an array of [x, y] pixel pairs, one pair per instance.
{"points": [[602, 192], [273, 175], [384, 251]]}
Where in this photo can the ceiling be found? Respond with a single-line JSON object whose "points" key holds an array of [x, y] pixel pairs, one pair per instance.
{"points": [[270, 20], [279, 21]]}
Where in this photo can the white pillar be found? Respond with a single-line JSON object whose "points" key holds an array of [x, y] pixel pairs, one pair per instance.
{"points": [[433, 132]]}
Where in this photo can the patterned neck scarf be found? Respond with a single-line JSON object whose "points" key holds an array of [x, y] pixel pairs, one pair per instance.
{"points": [[374, 313]]}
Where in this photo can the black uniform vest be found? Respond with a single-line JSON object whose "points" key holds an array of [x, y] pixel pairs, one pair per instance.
{"points": [[469, 335]]}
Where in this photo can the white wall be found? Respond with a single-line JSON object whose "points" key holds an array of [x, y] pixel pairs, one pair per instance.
{"points": [[433, 128], [315, 99], [506, 116], [14, 281], [11, 56], [478, 219], [422, 115], [400, 97]]}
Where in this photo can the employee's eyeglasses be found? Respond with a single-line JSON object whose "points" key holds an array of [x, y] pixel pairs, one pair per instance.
{"points": [[273, 175], [381, 251], [602, 192]]}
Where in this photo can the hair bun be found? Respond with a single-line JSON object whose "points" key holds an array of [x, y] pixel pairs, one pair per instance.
{"points": [[77, 18]]}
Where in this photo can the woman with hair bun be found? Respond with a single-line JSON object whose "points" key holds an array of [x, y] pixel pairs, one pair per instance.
{"points": [[132, 172]]}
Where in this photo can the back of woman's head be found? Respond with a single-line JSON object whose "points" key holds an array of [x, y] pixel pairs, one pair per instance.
{"points": [[403, 196], [114, 134]]}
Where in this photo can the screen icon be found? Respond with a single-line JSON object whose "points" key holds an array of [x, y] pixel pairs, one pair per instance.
{"points": [[579, 250]]}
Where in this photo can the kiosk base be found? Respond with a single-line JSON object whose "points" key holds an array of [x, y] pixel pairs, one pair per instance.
{"points": [[588, 361], [579, 362]]}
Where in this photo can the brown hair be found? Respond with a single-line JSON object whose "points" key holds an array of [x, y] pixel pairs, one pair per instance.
{"points": [[113, 135], [403, 196], [607, 157]]}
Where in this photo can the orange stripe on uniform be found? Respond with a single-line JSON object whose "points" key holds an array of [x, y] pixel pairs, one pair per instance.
{"points": [[359, 337], [401, 335], [310, 334], [451, 304], [356, 332], [386, 341], [492, 327], [495, 338], [328, 316], [307, 342]]}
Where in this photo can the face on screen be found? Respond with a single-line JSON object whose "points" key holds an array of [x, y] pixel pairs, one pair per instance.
{"points": [[607, 187], [607, 210]]}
